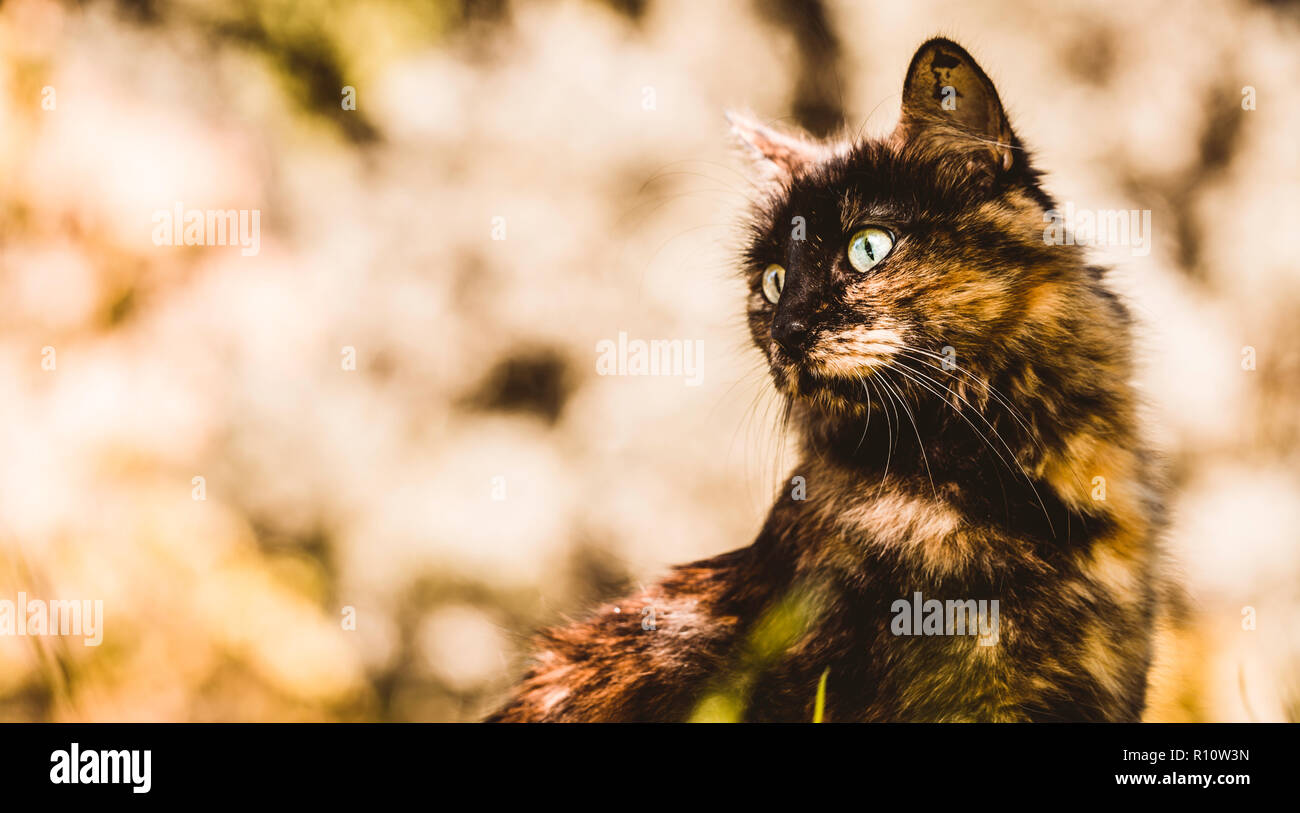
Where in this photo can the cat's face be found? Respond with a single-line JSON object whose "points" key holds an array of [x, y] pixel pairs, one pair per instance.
{"points": [[896, 254]]}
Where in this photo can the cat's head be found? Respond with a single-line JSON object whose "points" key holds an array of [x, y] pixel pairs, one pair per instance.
{"points": [[908, 250]]}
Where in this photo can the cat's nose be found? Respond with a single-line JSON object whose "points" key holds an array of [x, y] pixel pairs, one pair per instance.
{"points": [[791, 334]]}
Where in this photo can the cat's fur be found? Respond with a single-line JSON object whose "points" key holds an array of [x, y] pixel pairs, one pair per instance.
{"points": [[1019, 475]]}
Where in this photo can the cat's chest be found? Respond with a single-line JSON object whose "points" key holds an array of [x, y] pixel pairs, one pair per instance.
{"points": [[938, 611], [925, 539], [933, 614]]}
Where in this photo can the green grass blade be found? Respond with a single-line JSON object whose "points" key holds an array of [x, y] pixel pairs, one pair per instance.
{"points": [[819, 707]]}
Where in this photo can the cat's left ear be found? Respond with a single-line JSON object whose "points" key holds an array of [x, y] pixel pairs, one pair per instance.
{"points": [[950, 102], [777, 155]]}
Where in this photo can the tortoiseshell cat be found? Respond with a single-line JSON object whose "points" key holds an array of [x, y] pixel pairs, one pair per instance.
{"points": [[961, 391]]}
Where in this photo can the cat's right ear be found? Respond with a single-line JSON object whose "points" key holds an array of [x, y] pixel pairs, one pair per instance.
{"points": [[777, 156]]}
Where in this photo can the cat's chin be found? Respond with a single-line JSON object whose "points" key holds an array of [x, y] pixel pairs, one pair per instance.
{"points": [[831, 394]]}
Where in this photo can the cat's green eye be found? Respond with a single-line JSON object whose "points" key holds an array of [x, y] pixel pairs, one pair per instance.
{"points": [[869, 246], [773, 282]]}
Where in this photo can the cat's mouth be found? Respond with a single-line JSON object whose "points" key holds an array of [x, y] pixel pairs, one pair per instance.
{"points": [[831, 374], [837, 386], [839, 363], [835, 371]]}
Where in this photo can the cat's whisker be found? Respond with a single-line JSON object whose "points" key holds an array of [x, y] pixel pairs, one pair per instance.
{"points": [[867, 424], [656, 203], [1004, 401], [783, 430], [916, 429], [978, 433], [862, 128], [744, 179], [889, 434], [747, 424], [1028, 478]]}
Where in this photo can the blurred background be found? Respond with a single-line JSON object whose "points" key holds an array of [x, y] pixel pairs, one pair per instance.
{"points": [[474, 478]]}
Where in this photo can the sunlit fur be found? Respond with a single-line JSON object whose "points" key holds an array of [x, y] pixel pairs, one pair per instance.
{"points": [[968, 433]]}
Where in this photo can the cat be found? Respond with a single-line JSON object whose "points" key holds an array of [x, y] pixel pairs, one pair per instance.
{"points": [[973, 530]]}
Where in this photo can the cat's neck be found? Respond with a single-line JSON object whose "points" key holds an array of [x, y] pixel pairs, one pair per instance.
{"points": [[929, 479], [929, 439]]}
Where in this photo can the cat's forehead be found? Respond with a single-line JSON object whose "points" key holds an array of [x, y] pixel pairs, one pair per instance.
{"points": [[871, 180]]}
